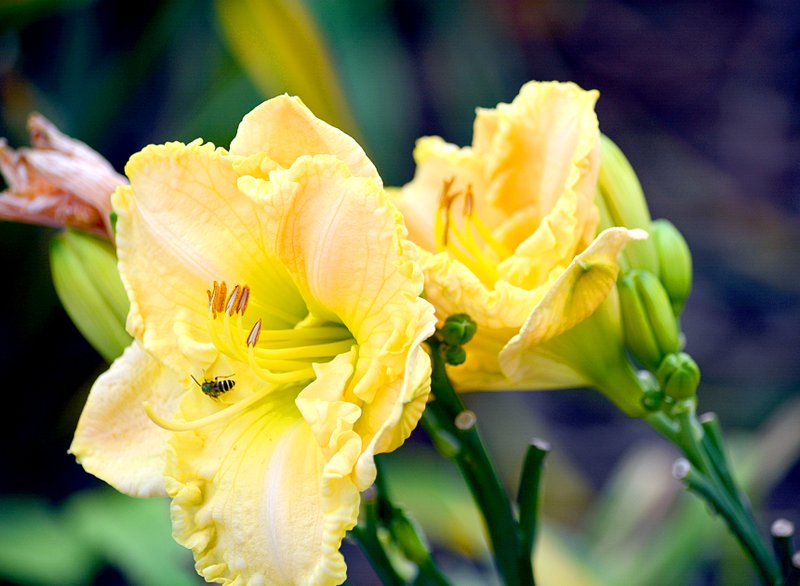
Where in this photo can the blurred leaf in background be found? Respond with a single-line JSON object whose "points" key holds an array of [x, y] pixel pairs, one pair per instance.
{"points": [[73, 543]]}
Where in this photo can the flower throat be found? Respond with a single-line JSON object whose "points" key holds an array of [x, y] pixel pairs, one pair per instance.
{"points": [[465, 236]]}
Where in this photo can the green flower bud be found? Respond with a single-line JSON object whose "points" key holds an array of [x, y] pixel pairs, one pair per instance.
{"points": [[649, 326], [621, 202], [86, 279], [675, 262], [455, 355], [652, 400], [458, 329], [408, 535], [679, 376]]}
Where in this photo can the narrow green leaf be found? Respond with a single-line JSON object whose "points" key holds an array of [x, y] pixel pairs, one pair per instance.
{"points": [[280, 46]]}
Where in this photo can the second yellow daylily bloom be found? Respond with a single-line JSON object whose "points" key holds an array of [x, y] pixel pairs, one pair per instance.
{"points": [[278, 329], [509, 229]]}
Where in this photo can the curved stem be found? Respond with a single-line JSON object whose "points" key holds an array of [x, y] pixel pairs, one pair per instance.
{"points": [[441, 418], [709, 477]]}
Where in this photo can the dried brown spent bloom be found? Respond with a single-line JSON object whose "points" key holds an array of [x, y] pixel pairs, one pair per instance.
{"points": [[58, 181]]}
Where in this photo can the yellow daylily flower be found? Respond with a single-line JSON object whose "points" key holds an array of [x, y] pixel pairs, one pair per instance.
{"points": [[278, 328], [508, 229]]}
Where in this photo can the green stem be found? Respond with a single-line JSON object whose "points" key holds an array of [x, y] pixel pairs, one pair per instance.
{"points": [[715, 448], [782, 544], [405, 533], [710, 478], [528, 494], [439, 419], [366, 535], [740, 526]]}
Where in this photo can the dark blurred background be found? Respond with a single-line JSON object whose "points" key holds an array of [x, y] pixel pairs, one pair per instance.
{"points": [[701, 96]]}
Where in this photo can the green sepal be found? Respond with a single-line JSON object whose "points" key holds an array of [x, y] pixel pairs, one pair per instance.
{"points": [[87, 282]]}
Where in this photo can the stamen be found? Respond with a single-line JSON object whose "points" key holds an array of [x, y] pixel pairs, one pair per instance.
{"points": [[472, 243], [252, 338], [278, 356], [244, 299], [219, 302], [233, 301], [446, 199], [212, 300], [332, 333]]}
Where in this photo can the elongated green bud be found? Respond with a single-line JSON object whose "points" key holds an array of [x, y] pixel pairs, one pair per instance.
{"points": [[675, 261], [409, 536], [649, 326], [621, 202], [86, 279], [679, 376]]}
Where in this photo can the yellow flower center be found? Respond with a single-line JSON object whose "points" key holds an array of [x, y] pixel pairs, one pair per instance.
{"points": [[276, 356], [465, 237]]}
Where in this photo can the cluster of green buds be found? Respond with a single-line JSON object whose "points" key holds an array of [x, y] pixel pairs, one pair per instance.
{"points": [[653, 286], [458, 329]]}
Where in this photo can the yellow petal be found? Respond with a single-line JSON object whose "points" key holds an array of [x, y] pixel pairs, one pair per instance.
{"points": [[544, 143], [259, 502], [589, 355], [439, 161], [572, 298], [341, 239], [498, 310], [284, 129], [551, 246], [580, 289], [115, 440], [182, 225]]}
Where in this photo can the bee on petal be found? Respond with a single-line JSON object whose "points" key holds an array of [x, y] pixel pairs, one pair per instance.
{"points": [[217, 386]]}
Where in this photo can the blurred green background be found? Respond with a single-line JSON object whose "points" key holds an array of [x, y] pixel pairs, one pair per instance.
{"points": [[701, 96]]}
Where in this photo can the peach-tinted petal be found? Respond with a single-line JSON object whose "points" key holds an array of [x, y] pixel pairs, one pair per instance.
{"points": [[115, 440], [341, 239], [284, 129], [539, 145], [183, 225], [439, 162], [581, 288]]}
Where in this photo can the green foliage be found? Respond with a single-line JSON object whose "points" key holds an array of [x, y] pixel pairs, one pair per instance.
{"points": [[41, 544]]}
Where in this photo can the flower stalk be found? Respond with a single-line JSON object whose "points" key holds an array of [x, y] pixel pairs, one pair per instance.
{"points": [[529, 490], [444, 415], [705, 472], [386, 529]]}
